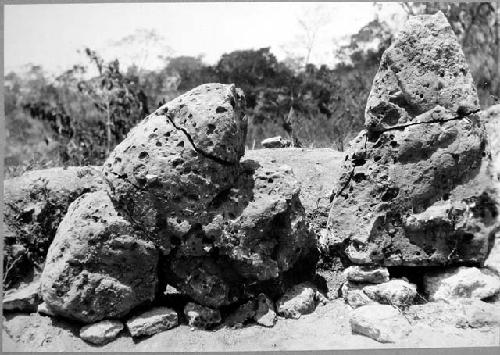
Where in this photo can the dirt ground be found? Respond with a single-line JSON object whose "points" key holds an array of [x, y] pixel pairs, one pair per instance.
{"points": [[327, 328]]}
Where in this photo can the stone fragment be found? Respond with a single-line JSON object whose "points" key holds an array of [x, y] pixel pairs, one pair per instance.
{"points": [[393, 292], [366, 274], [45, 310], [98, 266], [201, 317], [25, 298], [34, 205], [462, 282], [265, 314], [382, 323], [101, 332], [276, 142], [152, 322], [416, 187], [241, 315], [355, 297], [300, 299]]}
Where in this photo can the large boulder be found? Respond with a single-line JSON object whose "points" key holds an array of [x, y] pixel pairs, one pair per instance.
{"points": [[98, 266], [175, 163], [258, 234], [416, 187], [34, 205], [223, 227]]}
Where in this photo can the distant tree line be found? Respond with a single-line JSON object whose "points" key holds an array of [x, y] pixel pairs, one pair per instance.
{"points": [[76, 121]]}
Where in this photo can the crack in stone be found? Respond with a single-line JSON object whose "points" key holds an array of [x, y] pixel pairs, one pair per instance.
{"points": [[198, 150], [455, 118], [401, 127]]}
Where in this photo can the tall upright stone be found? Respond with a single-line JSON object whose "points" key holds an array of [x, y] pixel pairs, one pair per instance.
{"points": [[416, 185]]}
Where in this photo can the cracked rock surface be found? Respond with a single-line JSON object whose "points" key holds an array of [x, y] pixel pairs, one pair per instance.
{"points": [[97, 266], [34, 205], [223, 227], [418, 191]]}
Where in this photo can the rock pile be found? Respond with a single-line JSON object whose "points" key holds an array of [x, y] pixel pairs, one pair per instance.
{"points": [[176, 206]]}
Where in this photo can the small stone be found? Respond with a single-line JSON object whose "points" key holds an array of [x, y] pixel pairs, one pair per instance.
{"points": [[200, 316], [265, 315], [356, 298], [382, 323], [366, 274], [394, 292], [101, 332], [24, 298], [44, 309], [152, 322], [276, 142], [462, 282], [299, 300]]}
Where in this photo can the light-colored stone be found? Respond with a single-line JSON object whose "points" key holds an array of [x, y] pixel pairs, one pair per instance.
{"points": [[462, 282], [45, 310], [98, 266], [367, 274], [356, 298], [300, 299], [201, 317], [153, 321], [265, 314], [382, 323], [393, 292], [25, 298], [276, 142], [101, 332]]}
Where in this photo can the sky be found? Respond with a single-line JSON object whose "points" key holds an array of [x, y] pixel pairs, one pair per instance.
{"points": [[50, 35]]}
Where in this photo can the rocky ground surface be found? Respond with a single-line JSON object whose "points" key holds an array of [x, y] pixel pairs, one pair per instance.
{"points": [[327, 328]]}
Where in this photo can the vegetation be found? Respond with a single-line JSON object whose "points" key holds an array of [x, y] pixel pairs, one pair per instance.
{"points": [[76, 120]]}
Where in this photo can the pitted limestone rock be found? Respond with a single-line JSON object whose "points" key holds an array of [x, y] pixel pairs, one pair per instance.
{"points": [[172, 165], [418, 191], [423, 68], [34, 205], [98, 266]]}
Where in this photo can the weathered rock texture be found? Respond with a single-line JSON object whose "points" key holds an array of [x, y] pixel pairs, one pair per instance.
{"points": [[25, 298], [315, 169], [382, 323], [300, 299], [153, 321], [491, 117], [98, 266], [223, 226], [34, 205], [416, 186], [462, 282], [200, 316], [101, 332]]}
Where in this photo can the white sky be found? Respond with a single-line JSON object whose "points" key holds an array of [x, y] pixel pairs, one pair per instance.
{"points": [[50, 35]]}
